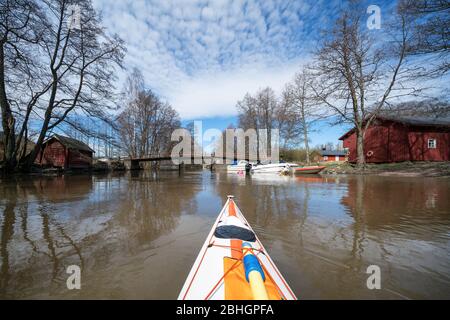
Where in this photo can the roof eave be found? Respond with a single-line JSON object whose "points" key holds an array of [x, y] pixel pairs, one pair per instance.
{"points": [[347, 134]]}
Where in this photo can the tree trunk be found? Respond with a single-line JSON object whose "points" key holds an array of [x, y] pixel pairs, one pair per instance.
{"points": [[43, 133], [305, 128], [257, 143], [360, 161], [8, 121], [308, 161]]}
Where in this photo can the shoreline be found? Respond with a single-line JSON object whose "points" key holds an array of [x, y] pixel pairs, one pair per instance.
{"points": [[397, 169]]}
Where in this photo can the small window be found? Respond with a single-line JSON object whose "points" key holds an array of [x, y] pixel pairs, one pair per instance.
{"points": [[431, 143], [325, 158]]}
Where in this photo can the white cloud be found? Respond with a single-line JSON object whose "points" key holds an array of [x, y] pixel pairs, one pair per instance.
{"points": [[202, 56], [211, 95]]}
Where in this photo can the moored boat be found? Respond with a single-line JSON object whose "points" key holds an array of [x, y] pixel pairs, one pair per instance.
{"points": [[309, 170], [278, 168], [242, 166], [234, 265]]}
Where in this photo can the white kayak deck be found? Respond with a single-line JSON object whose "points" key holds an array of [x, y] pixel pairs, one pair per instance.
{"points": [[206, 278]]}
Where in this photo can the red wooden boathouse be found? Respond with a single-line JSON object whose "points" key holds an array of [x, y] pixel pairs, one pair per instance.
{"points": [[396, 139], [64, 152]]}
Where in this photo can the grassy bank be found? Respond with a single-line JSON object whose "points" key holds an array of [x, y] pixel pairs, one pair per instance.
{"points": [[409, 169]]}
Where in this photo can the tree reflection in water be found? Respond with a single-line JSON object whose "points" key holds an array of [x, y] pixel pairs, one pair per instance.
{"points": [[137, 234], [325, 231], [49, 223]]}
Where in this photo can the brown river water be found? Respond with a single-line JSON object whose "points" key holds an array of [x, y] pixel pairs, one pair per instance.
{"points": [[135, 235]]}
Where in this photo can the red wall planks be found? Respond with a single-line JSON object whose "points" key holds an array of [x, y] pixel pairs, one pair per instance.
{"points": [[388, 141]]}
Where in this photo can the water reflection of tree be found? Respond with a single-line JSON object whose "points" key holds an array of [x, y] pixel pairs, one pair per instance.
{"points": [[272, 204], [88, 221], [22, 197], [7, 230], [61, 189], [395, 203], [398, 208], [153, 204]]}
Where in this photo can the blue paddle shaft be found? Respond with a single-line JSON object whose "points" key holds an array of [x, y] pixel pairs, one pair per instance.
{"points": [[251, 263]]}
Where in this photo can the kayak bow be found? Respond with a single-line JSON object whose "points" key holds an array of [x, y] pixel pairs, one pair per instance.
{"points": [[233, 264]]}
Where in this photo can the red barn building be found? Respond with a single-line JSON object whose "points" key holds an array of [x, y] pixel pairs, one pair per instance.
{"points": [[332, 156], [64, 152], [398, 139]]}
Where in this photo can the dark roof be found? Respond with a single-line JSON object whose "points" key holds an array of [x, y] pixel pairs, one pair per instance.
{"points": [[332, 152], [71, 143], [420, 121]]}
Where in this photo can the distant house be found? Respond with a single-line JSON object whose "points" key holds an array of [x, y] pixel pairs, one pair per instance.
{"points": [[64, 152], [332, 155], [395, 139]]}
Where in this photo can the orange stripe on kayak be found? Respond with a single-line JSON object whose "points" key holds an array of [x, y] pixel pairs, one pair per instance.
{"points": [[236, 248], [231, 209], [237, 287], [236, 245]]}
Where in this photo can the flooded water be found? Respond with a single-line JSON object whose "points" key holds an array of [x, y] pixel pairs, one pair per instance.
{"points": [[136, 235]]}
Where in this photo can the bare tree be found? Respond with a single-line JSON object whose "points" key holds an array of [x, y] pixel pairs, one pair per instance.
{"points": [[72, 71], [147, 123], [248, 118], [355, 75], [264, 110], [81, 66], [287, 120], [431, 35], [21, 24], [302, 107]]}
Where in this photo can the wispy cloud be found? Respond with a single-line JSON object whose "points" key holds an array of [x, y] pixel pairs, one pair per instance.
{"points": [[216, 94], [202, 56]]}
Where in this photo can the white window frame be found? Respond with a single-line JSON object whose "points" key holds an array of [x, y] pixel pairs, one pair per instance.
{"points": [[432, 143], [325, 158]]}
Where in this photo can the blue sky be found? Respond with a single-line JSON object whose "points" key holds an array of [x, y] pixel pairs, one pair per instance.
{"points": [[203, 56]]}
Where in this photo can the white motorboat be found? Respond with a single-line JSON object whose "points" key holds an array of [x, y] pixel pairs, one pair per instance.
{"points": [[278, 168], [241, 166]]}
